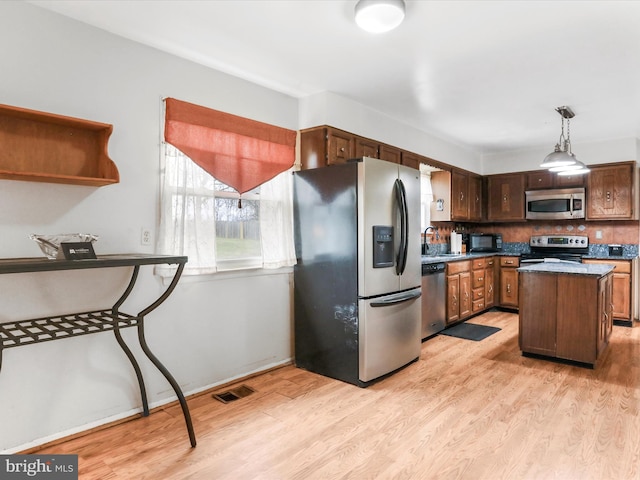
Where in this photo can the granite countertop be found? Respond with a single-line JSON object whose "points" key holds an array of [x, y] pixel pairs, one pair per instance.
{"points": [[624, 256], [454, 257], [571, 268]]}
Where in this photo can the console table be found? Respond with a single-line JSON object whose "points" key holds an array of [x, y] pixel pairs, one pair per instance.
{"points": [[29, 332]]}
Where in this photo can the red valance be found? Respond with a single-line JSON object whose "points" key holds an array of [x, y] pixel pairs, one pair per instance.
{"points": [[237, 151]]}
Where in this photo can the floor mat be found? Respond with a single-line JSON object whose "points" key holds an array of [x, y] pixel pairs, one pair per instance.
{"points": [[470, 331]]}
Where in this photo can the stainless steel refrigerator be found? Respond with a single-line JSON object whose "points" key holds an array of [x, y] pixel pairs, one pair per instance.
{"points": [[357, 280]]}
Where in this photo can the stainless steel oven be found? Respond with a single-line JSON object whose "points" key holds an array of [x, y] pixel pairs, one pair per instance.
{"points": [[556, 248]]}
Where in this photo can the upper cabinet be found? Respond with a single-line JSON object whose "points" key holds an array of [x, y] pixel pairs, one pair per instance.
{"points": [[505, 197], [323, 146], [45, 147], [541, 179], [457, 196], [610, 192]]}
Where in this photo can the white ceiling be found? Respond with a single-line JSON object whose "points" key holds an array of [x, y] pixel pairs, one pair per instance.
{"points": [[485, 74]]}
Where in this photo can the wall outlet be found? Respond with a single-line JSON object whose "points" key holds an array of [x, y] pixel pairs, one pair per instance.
{"points": [[145, 237], [599, 234]]}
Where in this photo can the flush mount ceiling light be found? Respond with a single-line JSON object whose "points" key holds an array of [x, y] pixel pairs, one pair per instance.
{"points": [[379, 16], [562, 160]]}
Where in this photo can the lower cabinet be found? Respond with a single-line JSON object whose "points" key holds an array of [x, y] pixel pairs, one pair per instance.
{"points": [[459, 302], [509, 281], [470, 287], [622, 288], [565, 316]]}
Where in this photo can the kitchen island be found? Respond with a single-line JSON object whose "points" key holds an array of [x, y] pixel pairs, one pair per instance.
{"points": [[565, 311]]}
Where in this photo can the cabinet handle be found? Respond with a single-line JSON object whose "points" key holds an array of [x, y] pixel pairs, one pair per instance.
{"points": [[461, 196], [509, 262], [508, 288], [505, 199], [480, 279], [342, 149], [608, 196], [490, 288]]}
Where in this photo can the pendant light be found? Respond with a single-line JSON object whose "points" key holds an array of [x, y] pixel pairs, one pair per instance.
{"points": [[562, 160], [379, 16]]}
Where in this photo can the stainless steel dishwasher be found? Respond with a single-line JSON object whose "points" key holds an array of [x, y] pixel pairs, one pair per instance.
{"points": [[433, 299]]}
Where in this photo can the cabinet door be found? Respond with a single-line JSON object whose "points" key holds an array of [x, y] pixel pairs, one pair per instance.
{"points": [[453, 298], [341, 147], [411, 159], [621, 284], [605, 313], [540, 179], [366, 148], [489, 283], [505, 197], [459, 196], [390, 154], [465, 294], [610, 192], [475, 198], [570, 181], [509, 287], [538, 313]]}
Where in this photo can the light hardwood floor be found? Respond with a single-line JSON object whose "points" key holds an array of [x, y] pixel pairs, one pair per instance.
{"points": [[465, 410]]}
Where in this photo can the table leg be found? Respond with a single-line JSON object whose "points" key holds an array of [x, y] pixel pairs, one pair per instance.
{"points": [[170, 379], [136, 367]]}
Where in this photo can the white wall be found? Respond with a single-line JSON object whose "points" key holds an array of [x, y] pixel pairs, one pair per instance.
{"points": [[331, 109], [208, 332], [609, 151]]}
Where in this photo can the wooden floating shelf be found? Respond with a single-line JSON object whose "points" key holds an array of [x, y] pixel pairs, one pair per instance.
{"points": [[45, 147]]}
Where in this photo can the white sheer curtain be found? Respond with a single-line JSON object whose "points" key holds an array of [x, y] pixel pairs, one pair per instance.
{"points": [[187, 216], [188, 220], [276, 222]]}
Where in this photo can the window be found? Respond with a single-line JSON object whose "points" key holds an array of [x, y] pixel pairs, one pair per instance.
{"points": [[426, 197], [217, 227]]}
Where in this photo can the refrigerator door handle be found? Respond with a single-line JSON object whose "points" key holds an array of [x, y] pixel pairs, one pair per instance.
{"points": [[396, 298], [401, 198]]}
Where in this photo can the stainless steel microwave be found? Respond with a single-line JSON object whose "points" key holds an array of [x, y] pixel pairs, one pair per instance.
{"points": [[556, 204]]}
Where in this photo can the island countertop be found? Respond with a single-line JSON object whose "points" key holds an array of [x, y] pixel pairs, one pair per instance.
{"points": [[571, 268]]}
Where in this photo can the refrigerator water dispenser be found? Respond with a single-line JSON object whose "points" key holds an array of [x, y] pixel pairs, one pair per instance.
{"points": [[382, 246]]}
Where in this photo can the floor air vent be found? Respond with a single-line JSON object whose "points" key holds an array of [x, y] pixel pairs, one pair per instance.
{"points": [[233, 394]]}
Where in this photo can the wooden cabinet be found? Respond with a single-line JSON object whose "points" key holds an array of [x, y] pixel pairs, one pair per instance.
{"points": [[389, 153], [459, 295], [412, 160], [489, 282], [478, 284], [509, 281], [45, 147], [541, 179], [610, 192], [475, 198], [554, 323], [461, 195], [622, 288], [505, 197], [366, 148], [322, 146]]}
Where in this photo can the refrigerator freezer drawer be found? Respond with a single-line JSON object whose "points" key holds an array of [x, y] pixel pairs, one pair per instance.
{"points": [[389, 333]]}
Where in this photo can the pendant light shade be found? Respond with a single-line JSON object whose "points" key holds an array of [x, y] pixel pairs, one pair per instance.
{"points": [[562, 160], [379, 16]]}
